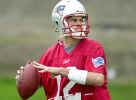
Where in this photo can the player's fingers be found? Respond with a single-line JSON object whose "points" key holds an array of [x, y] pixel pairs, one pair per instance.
{"points": [[44, 70], [36, 63], [39, 67], [41, 71], [22, 68], [18, 72], [53, 76], [17, 77]]}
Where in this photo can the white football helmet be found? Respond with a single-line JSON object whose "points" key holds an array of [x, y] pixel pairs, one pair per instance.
{"points": [[62, 11]]}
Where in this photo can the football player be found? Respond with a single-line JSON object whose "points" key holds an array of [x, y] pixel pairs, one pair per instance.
{"points": [[75, 67]]}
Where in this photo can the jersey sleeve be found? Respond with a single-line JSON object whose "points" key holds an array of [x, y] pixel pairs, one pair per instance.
{"points": [[44, 59], [96, 62]]}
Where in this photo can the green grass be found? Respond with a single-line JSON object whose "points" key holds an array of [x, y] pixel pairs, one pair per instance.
{"points": [[117, 91], [8, 91], [122, 91]]}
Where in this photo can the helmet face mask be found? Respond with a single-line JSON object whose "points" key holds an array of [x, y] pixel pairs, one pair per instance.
{"points": [[65, 9], [83, 27]]}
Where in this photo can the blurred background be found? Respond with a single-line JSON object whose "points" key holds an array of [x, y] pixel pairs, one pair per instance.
{"points": [[26, 32]]}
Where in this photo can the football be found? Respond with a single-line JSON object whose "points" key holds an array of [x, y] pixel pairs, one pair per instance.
{"points": [[28, 82]]}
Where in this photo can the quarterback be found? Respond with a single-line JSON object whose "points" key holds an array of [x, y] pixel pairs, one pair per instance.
{"points": [[75, 67]]}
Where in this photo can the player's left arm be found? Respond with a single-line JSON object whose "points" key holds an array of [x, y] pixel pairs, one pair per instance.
{"points": [[79, 76], [83, 77]]}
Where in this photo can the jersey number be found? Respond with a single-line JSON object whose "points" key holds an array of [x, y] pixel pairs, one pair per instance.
{"points": [[66, 89]]}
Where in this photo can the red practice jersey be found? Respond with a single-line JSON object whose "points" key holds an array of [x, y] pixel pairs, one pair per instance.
{"points": [[87, 55]]}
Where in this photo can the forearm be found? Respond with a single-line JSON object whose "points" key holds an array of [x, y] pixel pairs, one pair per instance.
{"points": [[92, 78], [79, 76], [64, 72]]}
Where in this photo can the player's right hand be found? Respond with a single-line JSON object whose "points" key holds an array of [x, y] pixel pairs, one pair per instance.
{"points": [[19, 72]]}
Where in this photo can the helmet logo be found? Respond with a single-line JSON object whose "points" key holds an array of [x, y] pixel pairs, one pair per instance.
{"points": [[60, 9], [79, 11]]}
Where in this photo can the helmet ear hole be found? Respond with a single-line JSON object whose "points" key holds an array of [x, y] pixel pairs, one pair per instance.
{"points": [[57, 23], [57, 30]]}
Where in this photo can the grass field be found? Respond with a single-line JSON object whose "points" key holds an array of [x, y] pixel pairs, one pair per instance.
{"points": [[8, 91], [117, 91]]}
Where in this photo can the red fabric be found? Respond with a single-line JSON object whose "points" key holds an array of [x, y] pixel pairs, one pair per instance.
{"points": [[81, 57]]}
